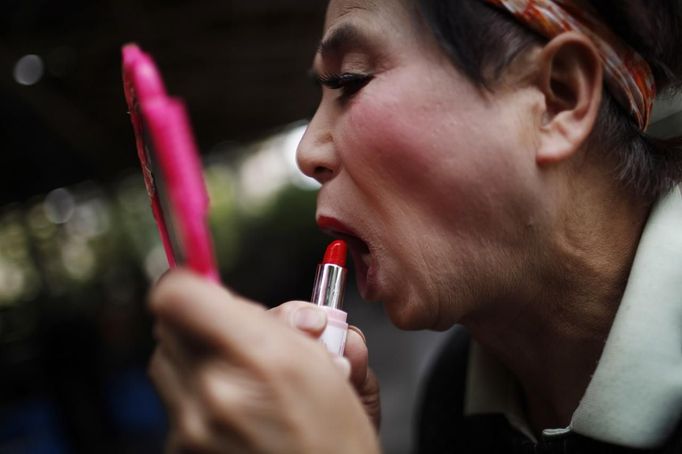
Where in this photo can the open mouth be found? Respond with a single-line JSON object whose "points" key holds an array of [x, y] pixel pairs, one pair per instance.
{"points": [[359, 249], [337, 229]]}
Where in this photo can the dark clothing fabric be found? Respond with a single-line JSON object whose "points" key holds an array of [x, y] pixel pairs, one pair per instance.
{"points": [[443, 428]]}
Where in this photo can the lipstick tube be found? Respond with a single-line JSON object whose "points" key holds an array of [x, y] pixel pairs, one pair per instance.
{"points": [[328, 292]]}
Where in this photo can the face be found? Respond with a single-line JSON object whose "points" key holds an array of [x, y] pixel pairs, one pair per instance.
{"points": [[427, 177]]}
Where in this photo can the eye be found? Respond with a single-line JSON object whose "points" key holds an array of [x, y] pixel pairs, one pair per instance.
{"points": [[348, 83]]}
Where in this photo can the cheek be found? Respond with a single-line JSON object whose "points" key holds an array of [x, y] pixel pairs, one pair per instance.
{"points": [[387, 130], [420, 144], [438, 167]]}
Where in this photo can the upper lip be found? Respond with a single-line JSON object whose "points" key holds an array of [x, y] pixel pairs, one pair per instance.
{"points": [[335, 227]]}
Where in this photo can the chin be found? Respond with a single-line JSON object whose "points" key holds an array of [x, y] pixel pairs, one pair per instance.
{"points": [[411, 310], [410, 314]]}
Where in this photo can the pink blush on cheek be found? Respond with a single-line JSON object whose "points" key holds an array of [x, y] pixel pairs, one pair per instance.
{"points": [[402, 148], [385, 137], [416, 114], [428, 151]]}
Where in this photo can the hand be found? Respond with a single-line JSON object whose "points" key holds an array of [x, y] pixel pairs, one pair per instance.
{"points": [[236, 379], [307, 318]]}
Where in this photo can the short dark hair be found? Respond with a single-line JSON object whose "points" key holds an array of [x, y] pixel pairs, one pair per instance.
{"points": [[483, 40]]}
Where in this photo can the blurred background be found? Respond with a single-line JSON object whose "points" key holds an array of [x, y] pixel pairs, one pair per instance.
{"points": [[78, 246]]}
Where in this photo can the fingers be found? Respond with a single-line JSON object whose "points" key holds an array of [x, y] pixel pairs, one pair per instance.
{"points": [[212, 317], [371, 398], [207, 320], [165, 380], [208, 313], [342, 363], [303, 316], [232, 374], [358, 356], [185, 418], [182, 352], [306, 317], [363, 379], [191, 415]]}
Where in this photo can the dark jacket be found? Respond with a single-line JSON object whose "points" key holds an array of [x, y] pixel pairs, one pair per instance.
{"points": [[443, 428]]}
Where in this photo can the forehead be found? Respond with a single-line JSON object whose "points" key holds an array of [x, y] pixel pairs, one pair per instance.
{"points": [[339, 8], [391, 14]]}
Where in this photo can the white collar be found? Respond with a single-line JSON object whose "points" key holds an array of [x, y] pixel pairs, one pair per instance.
{"points": [[635, 396]]}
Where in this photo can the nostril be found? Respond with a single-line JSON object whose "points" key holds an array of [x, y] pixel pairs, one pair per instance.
{"points": [[323, 174]]}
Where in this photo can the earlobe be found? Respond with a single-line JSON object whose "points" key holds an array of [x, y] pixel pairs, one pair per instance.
{"points": [[570, 76]]}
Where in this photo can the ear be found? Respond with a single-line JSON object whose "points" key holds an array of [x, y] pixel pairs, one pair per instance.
{"points": [[570, 76]]}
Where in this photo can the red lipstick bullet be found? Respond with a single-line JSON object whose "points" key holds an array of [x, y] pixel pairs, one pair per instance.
{"points": [[336, 254]]}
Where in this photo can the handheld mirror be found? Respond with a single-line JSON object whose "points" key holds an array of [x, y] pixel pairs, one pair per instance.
{"points": [[170, 165]]}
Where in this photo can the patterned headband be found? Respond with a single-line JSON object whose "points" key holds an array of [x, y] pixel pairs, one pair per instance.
{"points": [[627, 75]]}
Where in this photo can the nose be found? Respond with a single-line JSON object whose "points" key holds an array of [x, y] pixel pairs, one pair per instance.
{"points": [[316, 154]]}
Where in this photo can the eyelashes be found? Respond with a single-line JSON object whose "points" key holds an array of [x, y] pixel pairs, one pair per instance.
{"points": [[348, 83]]}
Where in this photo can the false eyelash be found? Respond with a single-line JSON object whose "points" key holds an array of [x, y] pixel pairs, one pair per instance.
{"points": [[349, 83]]}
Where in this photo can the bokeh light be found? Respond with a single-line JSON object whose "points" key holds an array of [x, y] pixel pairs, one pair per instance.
{"points": [[29, 69]]}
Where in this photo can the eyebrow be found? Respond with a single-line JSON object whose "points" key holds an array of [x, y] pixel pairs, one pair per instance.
{"points": [[341, 38]]}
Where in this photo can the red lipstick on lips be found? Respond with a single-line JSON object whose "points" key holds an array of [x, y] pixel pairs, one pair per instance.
{"points": [[335, 226], [328, 291]]}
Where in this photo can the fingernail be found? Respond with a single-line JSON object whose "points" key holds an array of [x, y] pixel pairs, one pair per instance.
{"points": [[343, 364], [309, 318]]}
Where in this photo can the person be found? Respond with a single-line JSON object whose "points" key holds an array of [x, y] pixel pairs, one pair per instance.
{"points": [[489, 164]]}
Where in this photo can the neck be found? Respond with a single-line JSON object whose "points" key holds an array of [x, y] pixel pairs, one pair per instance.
{"points": [[551, 332]]}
